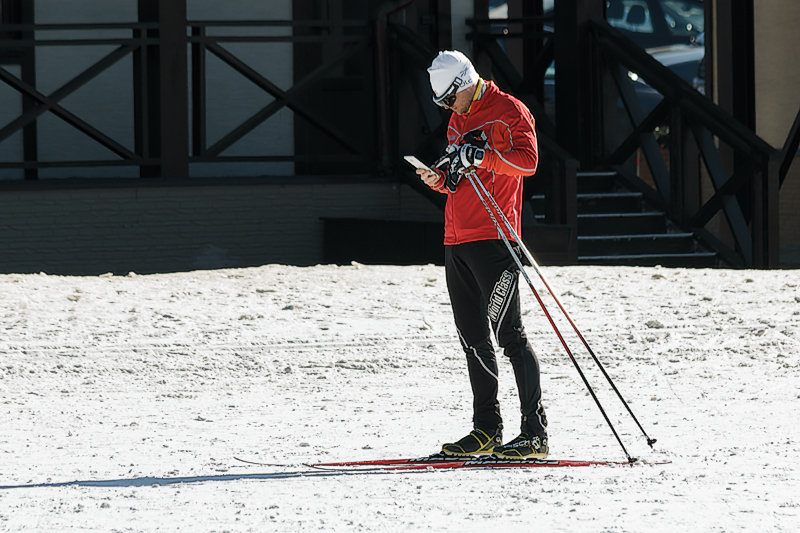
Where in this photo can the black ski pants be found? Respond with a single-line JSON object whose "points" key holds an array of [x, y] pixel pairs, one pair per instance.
{"points": [[482, 279]]}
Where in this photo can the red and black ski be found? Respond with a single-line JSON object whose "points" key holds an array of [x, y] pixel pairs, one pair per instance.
{"points": [[447, 462], [439, 461]]}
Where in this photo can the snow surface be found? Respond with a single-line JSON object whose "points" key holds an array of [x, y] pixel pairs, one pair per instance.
{"points": [[123, 401]]}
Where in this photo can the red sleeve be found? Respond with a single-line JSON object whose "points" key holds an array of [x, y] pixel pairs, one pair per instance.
{"points": [[514, 149]]}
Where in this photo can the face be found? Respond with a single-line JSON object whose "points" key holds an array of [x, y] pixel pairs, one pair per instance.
{"points": [[463, 100], [458, 102]]}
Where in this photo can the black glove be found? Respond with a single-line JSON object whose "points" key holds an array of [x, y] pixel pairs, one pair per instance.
{"points": [[477, 138], [473, 149], [457, 159], [452, 179], [448, 163], [470, 156]]}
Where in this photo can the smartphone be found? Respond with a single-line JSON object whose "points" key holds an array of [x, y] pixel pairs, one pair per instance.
{"points": [[416, 162]]}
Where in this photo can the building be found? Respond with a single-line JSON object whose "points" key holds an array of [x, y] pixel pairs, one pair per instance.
{"points": [[147, 136]]}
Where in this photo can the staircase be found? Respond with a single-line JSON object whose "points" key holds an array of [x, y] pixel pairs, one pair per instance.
{"points": [[615, 227]]}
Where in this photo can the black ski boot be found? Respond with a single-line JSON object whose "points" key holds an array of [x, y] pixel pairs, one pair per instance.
{"points": [[478, 442], [524, 447]]}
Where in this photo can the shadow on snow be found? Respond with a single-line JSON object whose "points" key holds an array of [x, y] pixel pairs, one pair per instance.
{"points": [[160, 481]]}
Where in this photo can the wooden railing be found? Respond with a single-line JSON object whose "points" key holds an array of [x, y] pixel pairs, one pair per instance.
{"points": [[20, 38], [206, 38], [698, 142], [168, 132]]}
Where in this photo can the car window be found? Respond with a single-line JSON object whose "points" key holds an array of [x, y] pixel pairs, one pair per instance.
{"points": [[631, 15]]}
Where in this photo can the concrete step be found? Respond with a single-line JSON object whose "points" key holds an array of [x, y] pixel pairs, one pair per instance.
{"points": [[692, 259], [606, 202], [621, 223], [615, 229], [586, 182], [650, 243], [592, 182]]}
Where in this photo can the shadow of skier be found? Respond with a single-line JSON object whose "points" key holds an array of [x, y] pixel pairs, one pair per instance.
{"points": [[149, 481]]}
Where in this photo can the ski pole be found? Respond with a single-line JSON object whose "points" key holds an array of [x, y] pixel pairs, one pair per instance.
{"points": [[472, 177], [650, 441]]}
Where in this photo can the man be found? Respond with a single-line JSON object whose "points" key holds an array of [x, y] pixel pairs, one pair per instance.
{"points": [[490, 133]]}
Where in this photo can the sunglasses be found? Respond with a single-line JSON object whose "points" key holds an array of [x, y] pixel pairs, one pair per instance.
{"points": [[448, 97]]}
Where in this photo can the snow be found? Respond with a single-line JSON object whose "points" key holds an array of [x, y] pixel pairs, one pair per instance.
{"points": [[124, 399]]}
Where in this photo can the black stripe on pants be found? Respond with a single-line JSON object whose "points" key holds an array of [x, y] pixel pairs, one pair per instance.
{"points": [[482, 279]]}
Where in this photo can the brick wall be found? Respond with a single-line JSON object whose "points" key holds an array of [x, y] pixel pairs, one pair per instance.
{"points": [[157, 229]]}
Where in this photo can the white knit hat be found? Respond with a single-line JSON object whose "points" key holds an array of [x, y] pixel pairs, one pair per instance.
{"points": [[448, 67]]}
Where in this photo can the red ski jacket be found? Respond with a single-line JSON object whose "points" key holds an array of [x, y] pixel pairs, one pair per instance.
{"points": [[511, 154]]}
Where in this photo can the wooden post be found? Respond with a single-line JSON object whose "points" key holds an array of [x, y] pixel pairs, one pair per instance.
{"points": [[198, 93], [163, 123], [30, 150], [174, 82], [444, 27], [766, 219], [531, 48], [684, 172], [575, 108]]}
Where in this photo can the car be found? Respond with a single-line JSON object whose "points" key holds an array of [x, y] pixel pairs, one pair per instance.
{"points": [[685, 60], [669, 30], [672, 31], [657, 23], [648, 23]]}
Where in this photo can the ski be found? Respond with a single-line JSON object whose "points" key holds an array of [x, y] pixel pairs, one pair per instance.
{"points": [[439, 461], [435, 458], [257, 463]]}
